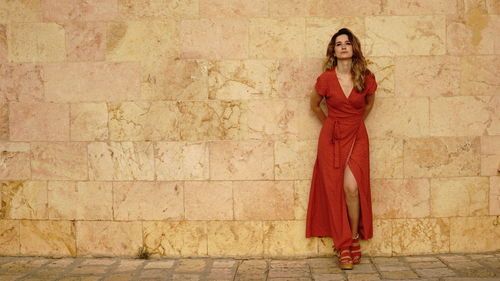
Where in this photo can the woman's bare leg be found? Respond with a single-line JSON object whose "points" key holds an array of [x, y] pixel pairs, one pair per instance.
{"points": [[352, 199]]}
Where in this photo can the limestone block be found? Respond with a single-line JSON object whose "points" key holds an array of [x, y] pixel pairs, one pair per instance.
{"points": [[428, 76], [176, 239], [493, 6], [469, 116], [48, 238], [39, 121], [263, 200], [397, 198], [3, 43], [494, 195], [20, 11], [245, 160], [277, 38], [211, 200], [121, 161], [210, 120], [386, 158], [481, 234], [296, 77], [452, 197], [319, 32], [384, 69], [447, 156], [157, 9], [412, 120], [286, 238], [294, 159], [91, 81], [21, 82], [289, 8], [59, 161], [9, 237], [185, 80], [181, 161], [109, 238], [85, 41], [148, 201], [139, 121], [301, 198], [415, 35], [479, 76], [420, 236], [472, 33], [80, 10], [15, 161], [333, 8], [68, 200], [30, 42], [4, 121], [89, 122], [420, 7], [214, 38], [233, 8], [24, 200], [235, 238]]}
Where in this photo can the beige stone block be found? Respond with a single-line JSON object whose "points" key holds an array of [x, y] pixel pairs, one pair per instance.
{"points": [[493, 6], [384, 69], [21, 82], [420, 236], [185, 80], [319, 32], [301, 198], [48, 238], [386, 158], [245, 160], [29, 42], [138, 121], [412, 121], [286, 238], [3, 43], [181, 161], [428, 76], [381, 243], [121, 161], [290, 8], [333, 8], [38, 121], [59, 161], [465, 116], [263, 200], [24, 200], [157, 9], [472, 33], [415, 35], [398, 198], [80, 10], [222, 38], [148, 201], [439, 157], [296, 77], [235, 238], [9, 237], [474, 234], [294, 159], [494, 195], [4, 121], [490, 155], [89, 122], [15, 161], [85, 41], [236, 80], [176, 239], [453, 197], [69, 200], [233, 8], [479, 76], [210, 200], [91, 81], [20, 11], [420, 7], [277, 38], [109, 238]]}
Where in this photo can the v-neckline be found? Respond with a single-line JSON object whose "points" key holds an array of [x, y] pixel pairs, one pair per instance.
{"points": [[340, 86]]}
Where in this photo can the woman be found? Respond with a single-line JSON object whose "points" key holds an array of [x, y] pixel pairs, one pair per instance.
{"points": [[340, 199]]}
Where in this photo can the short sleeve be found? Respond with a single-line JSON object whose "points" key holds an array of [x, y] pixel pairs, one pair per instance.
{"points": [[371, 84], [321, 85]]}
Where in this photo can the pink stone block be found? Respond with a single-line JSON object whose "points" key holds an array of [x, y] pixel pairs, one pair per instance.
{"points": [[9, 237], [82, 10], [3, 43], [59, 161], [341, 8], [494, 196], [208, 200], [15, 161], [296, 78], [4, 121], [214, 38], [233, 8], [101, 81], [21, 82], [39, 121], [85, 41]]}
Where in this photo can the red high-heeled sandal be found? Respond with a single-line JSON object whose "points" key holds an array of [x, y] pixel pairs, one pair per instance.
{"points": [[345, 259], [355, 250]]}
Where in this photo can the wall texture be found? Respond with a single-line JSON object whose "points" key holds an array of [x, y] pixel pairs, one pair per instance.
{"points": [[183, 126]]}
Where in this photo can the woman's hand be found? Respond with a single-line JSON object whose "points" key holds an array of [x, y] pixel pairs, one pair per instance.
{"points": [[315, 105]]}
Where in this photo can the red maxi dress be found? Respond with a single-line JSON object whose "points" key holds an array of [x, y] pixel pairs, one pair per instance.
{"points": [[343, 140]]}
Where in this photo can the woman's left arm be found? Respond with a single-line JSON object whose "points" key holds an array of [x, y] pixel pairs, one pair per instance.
{"points": [[370, 99]]}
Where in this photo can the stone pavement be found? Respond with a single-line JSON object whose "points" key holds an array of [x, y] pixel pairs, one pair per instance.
{"points": [[446, 267]]}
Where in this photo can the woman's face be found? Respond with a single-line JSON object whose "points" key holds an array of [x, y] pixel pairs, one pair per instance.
{"points": [[343, 47]]}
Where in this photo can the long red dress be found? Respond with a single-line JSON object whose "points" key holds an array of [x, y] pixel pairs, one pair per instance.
{"points": [[343, 140]]}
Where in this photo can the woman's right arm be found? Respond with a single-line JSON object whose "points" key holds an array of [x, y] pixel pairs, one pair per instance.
{"points": [[315, 105]]}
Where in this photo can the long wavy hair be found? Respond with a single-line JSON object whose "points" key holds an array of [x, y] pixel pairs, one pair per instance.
{"points": [[359, 68]]}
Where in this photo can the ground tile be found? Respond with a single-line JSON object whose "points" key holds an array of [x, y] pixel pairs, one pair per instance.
{"points": [[421, 259], [476, 272], [435, 272], [462, 265], [433, 264], [362, 276], [289, 273], [392, 267], [61, 262], [452, 258], [185, 277], [326, 270], [160, 264], [81, 278], [98, 261], [223, 263], [329, 277], [405, 274], [191, 266], [90, 269], [387, 260], [364, 268], [120, 277]]}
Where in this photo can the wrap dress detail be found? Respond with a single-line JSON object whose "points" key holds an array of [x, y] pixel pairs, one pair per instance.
{"points": [[343, 140]]}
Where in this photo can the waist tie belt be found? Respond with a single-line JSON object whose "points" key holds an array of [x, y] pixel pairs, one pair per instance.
{"points": [[336, 143]]}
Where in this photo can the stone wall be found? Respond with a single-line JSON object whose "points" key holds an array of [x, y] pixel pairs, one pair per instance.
{"points": [[183, 127]]}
